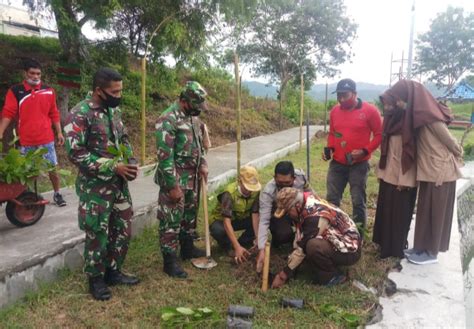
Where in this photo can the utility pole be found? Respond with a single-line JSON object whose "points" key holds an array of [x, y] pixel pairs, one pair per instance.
{"points": [[410, 46]]}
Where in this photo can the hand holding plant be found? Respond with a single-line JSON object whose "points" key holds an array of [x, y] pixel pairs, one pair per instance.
{"points": [[127, 172], [126, 165]]}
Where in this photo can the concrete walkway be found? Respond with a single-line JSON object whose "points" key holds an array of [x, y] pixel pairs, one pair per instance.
{"points": [[430, 296], [33, 254]]}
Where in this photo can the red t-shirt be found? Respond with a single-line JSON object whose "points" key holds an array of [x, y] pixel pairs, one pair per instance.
{"points": [[36, 109], [352, 129]]}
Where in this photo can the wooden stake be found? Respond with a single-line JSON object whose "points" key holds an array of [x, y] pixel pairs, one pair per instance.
{"points": [[266, 267], [238, 108], [301, 109]]}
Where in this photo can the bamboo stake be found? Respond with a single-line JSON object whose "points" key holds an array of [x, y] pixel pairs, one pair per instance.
{"points": [[266, 267], [143, 114], [238, 108]]}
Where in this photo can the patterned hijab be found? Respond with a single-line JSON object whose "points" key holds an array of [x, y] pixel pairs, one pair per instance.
{"points": [[415, 107]]}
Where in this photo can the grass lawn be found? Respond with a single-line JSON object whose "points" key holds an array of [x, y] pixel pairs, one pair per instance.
{"points": [[462, 111], [459, 132], [66, 302]]}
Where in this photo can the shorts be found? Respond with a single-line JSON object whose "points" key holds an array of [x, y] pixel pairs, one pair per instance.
{"points": [[50, 155]]}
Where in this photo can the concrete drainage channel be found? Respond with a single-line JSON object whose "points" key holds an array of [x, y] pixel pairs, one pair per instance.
{"points": [[29, 275], [466, 227], [446, 287]]}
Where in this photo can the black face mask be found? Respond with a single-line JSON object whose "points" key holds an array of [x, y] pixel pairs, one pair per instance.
{"points": [[110, 101], [194, 106], [279, 187], [192, 109], [195, 112]]}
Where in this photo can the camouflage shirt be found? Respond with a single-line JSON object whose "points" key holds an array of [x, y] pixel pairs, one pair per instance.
{"points": [[90, 130], [180, 150]]}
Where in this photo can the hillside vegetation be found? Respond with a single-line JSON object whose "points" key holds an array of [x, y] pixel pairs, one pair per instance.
{"points": [[259, 115]]}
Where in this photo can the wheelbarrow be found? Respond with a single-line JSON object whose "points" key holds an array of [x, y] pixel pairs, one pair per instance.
{"points": [[24, 207]]}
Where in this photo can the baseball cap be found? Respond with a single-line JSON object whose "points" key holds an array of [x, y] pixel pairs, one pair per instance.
{"points": [[249, 178], [345, 85], [286, 198]]}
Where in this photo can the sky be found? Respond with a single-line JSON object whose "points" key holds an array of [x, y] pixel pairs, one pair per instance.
{"points": [[384, 28]]}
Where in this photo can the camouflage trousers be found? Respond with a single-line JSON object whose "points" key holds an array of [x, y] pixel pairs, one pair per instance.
{"points": [[105, 213], [177, 220]]}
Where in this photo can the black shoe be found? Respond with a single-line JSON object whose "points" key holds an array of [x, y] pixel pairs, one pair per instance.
{"points": [[58, 199], [188, 250], [113, 277], [172, 267], [98, 288]]}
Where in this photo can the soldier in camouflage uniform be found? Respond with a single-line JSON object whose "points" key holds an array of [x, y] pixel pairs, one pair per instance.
{"points": [[93, 127], [180, 166]]}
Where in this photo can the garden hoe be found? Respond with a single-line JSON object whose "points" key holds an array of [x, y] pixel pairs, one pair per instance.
{"points": [[205, 262]]}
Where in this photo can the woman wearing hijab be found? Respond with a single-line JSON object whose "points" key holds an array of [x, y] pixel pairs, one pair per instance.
{"points": [[438, 157], [397, 184]]}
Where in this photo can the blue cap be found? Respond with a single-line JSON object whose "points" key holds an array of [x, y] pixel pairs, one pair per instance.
{"points": [[345, 85]]}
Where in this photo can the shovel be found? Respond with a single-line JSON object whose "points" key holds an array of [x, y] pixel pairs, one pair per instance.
{"points": [[205, 262]]}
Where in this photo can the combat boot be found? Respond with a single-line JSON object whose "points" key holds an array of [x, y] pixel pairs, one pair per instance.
{"points": [[113, 277], [98, 288], [189, 250], [172, 267]]}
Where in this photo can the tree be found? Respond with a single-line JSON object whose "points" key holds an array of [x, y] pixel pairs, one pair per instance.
{"points": [[290, 38], [446, 51], [182, 36], [230, 27], [70, 16], [470, 80]]}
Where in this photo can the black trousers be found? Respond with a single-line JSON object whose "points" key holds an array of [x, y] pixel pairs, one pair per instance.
{"points": [[356, 175], [218, 232]]}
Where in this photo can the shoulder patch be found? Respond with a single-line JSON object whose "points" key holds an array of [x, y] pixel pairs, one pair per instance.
{"points": [[19, 92]]}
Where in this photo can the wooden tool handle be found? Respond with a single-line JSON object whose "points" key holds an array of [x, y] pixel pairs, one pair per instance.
{"points": [[206, 217], [266, 267]]}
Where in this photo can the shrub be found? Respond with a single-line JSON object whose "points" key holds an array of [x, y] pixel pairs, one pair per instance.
{"points": [[18, 168]]}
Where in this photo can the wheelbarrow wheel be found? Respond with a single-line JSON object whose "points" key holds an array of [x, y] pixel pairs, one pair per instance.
{"points": [[27, 215]]}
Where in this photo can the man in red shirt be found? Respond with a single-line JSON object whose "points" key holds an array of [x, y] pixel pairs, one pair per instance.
{"points": [[34, 104], [355, 131]]}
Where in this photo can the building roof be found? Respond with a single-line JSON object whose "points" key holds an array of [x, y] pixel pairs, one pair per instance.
{"points": [[461, 91]]}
